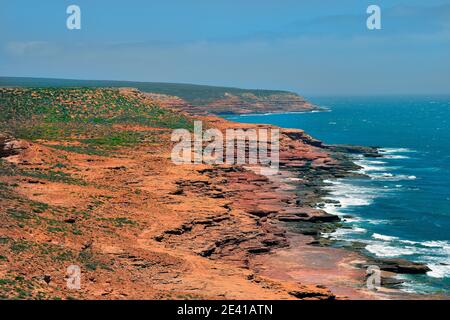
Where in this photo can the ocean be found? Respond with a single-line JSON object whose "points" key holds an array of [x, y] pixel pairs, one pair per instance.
{"points": [[403, 208]]}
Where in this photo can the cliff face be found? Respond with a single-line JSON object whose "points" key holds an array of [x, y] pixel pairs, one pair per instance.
{"points": [[108, 199], [192, 98], [250, 103], [9, 146], [241, 103]]}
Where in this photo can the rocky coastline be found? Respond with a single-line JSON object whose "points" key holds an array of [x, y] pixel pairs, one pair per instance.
{"points": [[289, 203], [175, 232]]}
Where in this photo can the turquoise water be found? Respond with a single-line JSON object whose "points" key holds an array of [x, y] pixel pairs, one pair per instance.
{"points": [[403, 208]]}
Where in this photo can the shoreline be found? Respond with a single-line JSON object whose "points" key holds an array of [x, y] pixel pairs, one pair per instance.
{"points": [[178, 231], [404, 265], [347, 168], [227, 115], [314, 220]]}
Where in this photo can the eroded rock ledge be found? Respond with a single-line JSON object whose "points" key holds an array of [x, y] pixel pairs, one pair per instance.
{"points": [[10, 146], [245, 103], [142, 227]]}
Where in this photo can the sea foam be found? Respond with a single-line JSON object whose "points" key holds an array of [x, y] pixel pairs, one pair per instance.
{"points": [[395, 150], [381, 249], [383, 237]]}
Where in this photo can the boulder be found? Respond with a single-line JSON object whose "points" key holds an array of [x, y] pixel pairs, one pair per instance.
{"points": [[11, 147], [401, 266], [324, 218], [290, 218], [256, 250], [259, 212]]}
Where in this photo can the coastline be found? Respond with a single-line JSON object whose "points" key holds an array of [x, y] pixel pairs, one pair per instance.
{"points": [[178, 232], [303, 222], [228, 115], [395, 271]]}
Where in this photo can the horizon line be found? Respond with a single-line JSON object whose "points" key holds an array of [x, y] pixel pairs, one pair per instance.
{"points": [[312, 94]]}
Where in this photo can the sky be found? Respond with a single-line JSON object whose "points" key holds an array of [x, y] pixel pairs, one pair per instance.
{"points": [[308, 46]]}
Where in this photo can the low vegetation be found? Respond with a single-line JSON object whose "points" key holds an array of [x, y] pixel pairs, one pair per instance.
{"points": [[86, 119], [192, 93], [39, 240]]}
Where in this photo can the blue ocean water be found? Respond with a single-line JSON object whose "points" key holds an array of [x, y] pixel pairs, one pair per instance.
{"points": [[403, 209]]}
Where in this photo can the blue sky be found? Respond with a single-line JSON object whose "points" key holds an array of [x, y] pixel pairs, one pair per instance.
{"points": [[311, 47]]}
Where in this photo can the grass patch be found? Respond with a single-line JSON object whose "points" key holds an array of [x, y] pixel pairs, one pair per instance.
{"points": [[115, 139], [20, 246], [46, 250], [55, 113], [86, 257], [64, 256], [87, 116], [106, 143], [39, 207], [55, 229], [54, 176], [19, 214], [18, 288], [119, 222], [83, 149], [6, 169]]}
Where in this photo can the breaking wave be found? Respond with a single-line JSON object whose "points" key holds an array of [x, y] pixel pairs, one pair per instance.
{"points": [[349, 196]]}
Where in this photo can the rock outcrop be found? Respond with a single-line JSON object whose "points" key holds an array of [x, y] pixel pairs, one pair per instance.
{"points": [[244, 103], [401, 266], [10, 146], [250, 103]]}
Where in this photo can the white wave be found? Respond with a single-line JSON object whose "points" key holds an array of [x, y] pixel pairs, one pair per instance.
{"points": [[392, 156], [388, 251], [281, 113], [344, 233], [352, 219], [373, 161], [349, 201], [391, 177], [435, 254], [332, 210], [363, 161], [393, 153], [348, 195], [438, 270], [414, 286], [367, 166], [409, 242], [377, 221], [383, 237], [395, 150], [436, 244], [339, 188], [439, 262], [344, 202], [437, 251]]}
